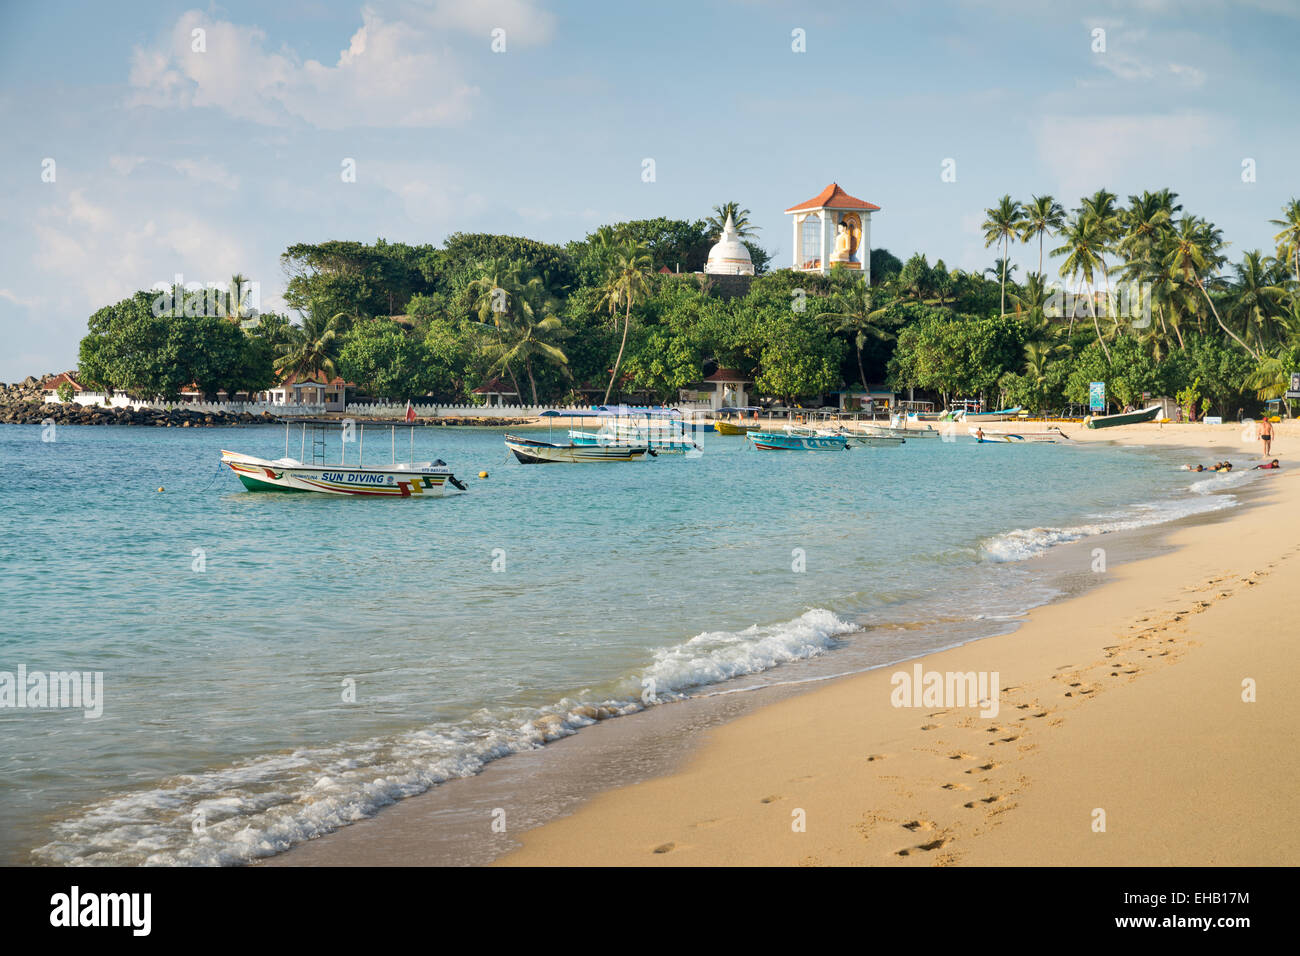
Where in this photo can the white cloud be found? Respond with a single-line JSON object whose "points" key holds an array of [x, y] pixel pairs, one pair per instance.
{"points": [[26, 302], [101, 255], [1085, 153], [207, 172], [1191, 75], [524, 22], [431, 196], [390, 75]]}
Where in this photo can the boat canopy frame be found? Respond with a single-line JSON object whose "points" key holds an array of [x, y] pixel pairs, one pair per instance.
{"points": [[321, 426]]}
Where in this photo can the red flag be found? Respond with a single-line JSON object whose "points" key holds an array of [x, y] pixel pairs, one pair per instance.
{"points": [[410, 411]]}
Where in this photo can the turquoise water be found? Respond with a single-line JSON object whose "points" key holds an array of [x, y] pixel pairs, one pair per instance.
{"points": [[231, 627]]}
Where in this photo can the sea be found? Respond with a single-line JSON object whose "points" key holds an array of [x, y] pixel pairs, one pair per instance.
{"points": [[273, 667]]}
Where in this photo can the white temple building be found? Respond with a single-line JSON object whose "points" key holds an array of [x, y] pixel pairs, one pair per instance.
{"points": [[833, 228], [729, 257]]}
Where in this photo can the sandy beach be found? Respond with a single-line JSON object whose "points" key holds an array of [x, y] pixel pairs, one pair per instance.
{"points": [[1145, 722]]}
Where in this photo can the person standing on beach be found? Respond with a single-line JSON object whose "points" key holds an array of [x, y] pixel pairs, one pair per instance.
{"points": [[1265, 433]]}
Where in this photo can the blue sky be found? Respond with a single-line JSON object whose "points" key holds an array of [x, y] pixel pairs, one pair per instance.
{"points": [[174, 161]]}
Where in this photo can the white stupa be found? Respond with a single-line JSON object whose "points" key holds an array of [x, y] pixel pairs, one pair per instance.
{"points": [[729, 257]]}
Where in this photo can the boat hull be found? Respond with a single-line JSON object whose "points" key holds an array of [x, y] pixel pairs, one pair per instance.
{"points": [[1127, 418], [531, 452], [258, 474], [874, 441], [731, 428], [773, 441]]}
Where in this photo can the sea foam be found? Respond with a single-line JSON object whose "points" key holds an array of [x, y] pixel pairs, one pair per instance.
{"points": [[266, 805], [1024, 543]]}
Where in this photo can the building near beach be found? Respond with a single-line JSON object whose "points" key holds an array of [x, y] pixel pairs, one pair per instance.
{"points": [[833, 228]]}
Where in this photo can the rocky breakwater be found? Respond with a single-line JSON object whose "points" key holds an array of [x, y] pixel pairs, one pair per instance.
{"points": [[23, 404]]}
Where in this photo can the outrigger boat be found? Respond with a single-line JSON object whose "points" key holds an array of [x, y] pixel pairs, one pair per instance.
{"points": [[531, 451], [411, 479], [1126, 418]]}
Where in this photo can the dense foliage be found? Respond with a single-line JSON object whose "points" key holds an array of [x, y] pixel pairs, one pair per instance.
{"points": [[1145, 300]]}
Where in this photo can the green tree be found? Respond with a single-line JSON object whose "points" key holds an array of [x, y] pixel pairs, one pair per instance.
{"points": [[626, 283], [853, 312], [1288, 240], [1043, 216], [1002, 225], [739, 218]]}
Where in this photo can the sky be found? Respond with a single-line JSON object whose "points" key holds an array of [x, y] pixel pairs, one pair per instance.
{"points": [[148, 140]]}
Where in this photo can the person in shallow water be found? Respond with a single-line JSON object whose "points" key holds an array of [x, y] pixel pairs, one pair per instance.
{"points": [[1269, 464], [1193, 467]]}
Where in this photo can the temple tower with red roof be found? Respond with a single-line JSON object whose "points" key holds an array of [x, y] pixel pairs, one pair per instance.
{"points": [[833, 228]]}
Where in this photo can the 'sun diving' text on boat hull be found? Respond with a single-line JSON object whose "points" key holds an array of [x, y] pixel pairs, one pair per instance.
{"points": [[395, 481]]}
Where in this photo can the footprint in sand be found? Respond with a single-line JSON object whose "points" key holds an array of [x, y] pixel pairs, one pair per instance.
{"points": [[961, 755], [665, 848], [770, 799], [991, 765], [915, 825], [931, 726], [954, 786], [871, 757], [924, 847]]}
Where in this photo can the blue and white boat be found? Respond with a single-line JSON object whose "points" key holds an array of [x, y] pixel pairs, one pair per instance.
{"points": [[660, 430], [798, 439]]}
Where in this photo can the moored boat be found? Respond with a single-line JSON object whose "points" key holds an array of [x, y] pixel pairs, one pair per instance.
{"points": [[411, 479], [1124, 418], [530, 451], [730, 420], [796, 439], [1045, 437]]}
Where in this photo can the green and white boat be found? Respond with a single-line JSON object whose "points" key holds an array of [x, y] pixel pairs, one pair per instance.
{"points": [[1125, 418], [410, 479]]}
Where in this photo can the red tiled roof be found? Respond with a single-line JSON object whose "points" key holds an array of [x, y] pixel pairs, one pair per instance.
{"points": [[497, 386], [833, 197], [54, 381], [728, 375]]}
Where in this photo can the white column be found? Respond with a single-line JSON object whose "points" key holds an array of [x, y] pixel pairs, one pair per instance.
{"points": [[866, 247], [794, 241], [822, 261]]}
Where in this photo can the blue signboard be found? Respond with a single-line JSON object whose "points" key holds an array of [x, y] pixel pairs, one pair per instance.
{"points": [[1097, 396]]}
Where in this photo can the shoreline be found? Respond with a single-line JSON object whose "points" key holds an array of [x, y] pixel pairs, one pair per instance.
{"points": [[641, 751], [1085, 723]]}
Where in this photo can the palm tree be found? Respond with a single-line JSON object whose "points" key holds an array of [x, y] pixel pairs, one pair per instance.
{"points": [[739, 219], [1002, 268], [526, 338], [1257, 299], [625, 283], [312, 350], [1288, 240], [852, 311], [1030, 304], [1101, 204], [1037, 358], [1043, 215], [1084, 240], [1194, 254], [496, 297], [234, 307], [1002, 224]]}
